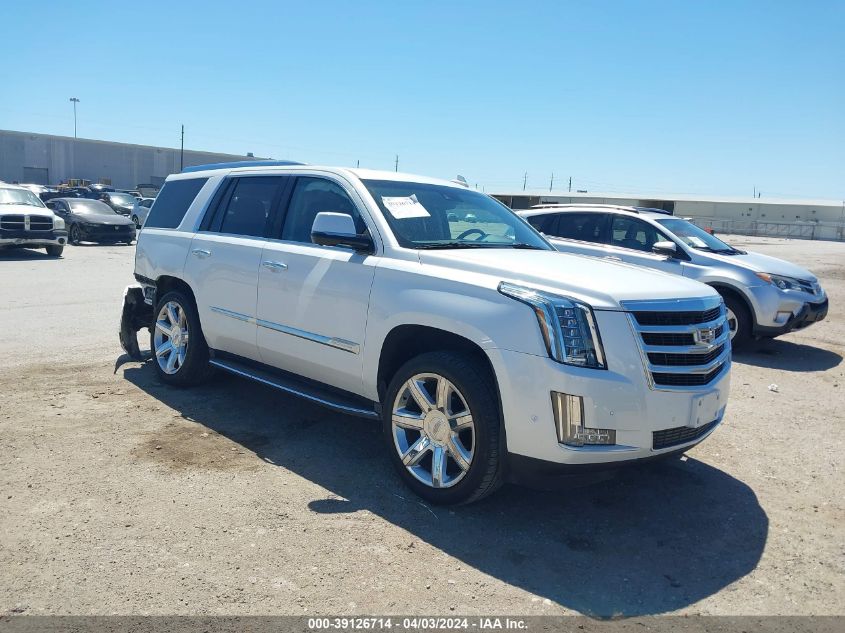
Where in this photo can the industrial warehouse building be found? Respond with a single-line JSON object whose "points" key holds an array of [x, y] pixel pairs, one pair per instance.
{"points": [[45, 159], [809, 219]]}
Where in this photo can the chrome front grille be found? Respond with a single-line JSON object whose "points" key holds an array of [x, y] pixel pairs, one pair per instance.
{"points": [[26, 223], [685, 344]]}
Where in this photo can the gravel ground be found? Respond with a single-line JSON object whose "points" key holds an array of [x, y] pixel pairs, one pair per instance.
{"points": [[124, 496]]}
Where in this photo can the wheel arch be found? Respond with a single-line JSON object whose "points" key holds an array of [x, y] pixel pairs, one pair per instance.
{"points": [[404, 342], [727, 289]]}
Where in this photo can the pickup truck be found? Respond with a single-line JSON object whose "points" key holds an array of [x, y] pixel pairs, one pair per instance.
{"points": [[484, 354], [25, 222]]}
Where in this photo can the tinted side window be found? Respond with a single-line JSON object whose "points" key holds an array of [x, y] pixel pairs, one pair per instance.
{"points": [[250, 205], [586, 227], [311, 196], [543, 223], [633, 233], [173, 202]]}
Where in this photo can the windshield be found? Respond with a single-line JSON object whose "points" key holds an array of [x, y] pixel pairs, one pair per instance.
{"points": [[90, 207], [436, 216], [122, 198], [696, 237], [20, 196]]}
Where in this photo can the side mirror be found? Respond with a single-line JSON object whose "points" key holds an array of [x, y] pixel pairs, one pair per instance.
{"points": [[338, 229], [667, 248]]}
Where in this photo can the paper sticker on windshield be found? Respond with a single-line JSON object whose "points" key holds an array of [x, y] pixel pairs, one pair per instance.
{"points": [[404, 207], [696, 242]]}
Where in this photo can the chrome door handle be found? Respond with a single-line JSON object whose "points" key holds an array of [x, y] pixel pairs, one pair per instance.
{"points": [[613, 258], [274, 266], [200, 252]]}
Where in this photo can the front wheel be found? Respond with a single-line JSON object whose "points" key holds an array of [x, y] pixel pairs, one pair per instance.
{"points": [[55, 250], [136, 221], [75, 235], [442, 427], [180, 353], [739, 322]]}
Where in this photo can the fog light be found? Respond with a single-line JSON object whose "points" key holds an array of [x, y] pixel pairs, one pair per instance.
{"points": [[569, 422]]}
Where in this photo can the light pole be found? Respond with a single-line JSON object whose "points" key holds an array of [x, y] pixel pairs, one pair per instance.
{"points": [[75, 101]]}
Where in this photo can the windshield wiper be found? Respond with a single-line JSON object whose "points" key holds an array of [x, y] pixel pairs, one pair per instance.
{"points": [[525, 246], [441, 245]]}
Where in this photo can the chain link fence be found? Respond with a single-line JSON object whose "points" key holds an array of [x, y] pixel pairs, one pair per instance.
{"points": [[795, 230]]}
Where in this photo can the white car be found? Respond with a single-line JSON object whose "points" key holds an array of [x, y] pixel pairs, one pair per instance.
{"points": [[25, 222], [765, 296], [141, 210], [483, 352]]}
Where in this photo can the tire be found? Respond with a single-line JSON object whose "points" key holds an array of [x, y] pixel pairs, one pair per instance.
{"points": [[74, 235], [55, 250], [739, 321], [134, 218], [479, 444], [187, 364]]}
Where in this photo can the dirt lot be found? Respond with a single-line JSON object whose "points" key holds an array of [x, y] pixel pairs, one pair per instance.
{"points": [[123, 496]]}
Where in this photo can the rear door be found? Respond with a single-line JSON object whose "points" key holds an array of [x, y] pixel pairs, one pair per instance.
{"points": [[224, 258], [313, 300], [580, 233]]}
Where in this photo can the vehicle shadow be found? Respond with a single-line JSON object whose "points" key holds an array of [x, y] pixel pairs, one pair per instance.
{"points": [[650, 540], [24, 255], [786, 355]]}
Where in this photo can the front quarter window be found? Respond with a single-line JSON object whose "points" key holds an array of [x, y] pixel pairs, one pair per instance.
{"points": [[423, 215]]}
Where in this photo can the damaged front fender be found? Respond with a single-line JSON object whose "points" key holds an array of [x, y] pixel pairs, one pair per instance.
{"points": [[136, 314]]}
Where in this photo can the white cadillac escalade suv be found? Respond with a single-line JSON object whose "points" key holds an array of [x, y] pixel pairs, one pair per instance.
{"points": [[485, 354]]}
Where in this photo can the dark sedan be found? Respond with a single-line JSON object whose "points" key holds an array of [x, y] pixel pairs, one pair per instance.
{"points": [[92, 221], [120, 201]]}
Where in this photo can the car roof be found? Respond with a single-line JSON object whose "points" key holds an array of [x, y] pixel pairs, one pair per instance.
{"points": [[362, 174], [545, 209]]}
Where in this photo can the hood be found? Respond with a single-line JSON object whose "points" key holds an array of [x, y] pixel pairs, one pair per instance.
{"points": [[25, 209], [603, 285], [759, 263], [110, 220]]}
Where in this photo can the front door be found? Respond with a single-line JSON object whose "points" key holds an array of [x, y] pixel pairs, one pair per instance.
{"points": [[631, 239], [313, 300]]}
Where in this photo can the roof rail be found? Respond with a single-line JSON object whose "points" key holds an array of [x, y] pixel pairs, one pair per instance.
{"points": [[241, 163], [597, 205]]}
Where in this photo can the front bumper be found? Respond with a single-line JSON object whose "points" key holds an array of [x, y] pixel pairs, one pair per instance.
{"points": [[649, 421], [56, 237], [807, 314], [778, 312], [107, 232]]}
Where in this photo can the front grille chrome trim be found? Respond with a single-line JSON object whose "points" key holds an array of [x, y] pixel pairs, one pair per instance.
{"points": [[697, 342]]}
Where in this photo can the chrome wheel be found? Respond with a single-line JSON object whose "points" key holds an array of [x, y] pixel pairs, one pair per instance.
{"points": [[433, 430], [732, 323], [171, 337]]}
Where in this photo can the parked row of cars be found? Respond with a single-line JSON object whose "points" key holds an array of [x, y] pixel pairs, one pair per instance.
{"points": [[130, 203], [486, 350], [28, 222]]}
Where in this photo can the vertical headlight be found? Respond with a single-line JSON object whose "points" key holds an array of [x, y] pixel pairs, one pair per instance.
{"points": [[568, 326]]}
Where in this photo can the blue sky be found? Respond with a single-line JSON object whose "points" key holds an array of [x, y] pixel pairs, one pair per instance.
{"points": [[644, 96]]}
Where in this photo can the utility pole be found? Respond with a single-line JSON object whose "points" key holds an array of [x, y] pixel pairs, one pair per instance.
{"points": [[358, 163], [552, 182], [524, 180], [570, 184], [755, 192], [182, 150], [396, 165], [75, 101]]}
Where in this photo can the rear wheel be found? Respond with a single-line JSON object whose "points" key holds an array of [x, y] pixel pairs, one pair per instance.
{"points": [[55, 250], [739, 321], [180, 353], [442, 427]]}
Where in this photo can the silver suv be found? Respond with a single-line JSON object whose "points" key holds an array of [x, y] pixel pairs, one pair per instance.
{"points": [[765, 296]]}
